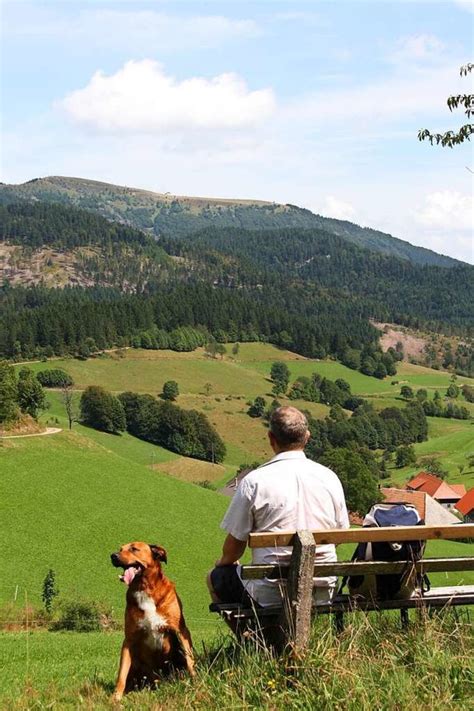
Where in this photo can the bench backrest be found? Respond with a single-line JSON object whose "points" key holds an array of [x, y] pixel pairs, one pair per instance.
{"points": [[363, 535]]}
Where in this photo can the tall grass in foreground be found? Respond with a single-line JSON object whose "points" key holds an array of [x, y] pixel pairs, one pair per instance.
{"points": [[372, 665]]}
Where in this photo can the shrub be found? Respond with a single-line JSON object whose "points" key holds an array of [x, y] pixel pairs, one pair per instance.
{"points": [[54, 378], [206, 484], [79, 616], [170, 390], [257, 407], [50, 590]]}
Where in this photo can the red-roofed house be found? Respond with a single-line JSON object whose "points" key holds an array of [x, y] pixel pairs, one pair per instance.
{"points": [[420, 479], [466, 506], [432, 485]]}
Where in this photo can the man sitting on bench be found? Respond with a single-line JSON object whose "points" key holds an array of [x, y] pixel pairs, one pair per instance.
{"points": [[290, 492]]}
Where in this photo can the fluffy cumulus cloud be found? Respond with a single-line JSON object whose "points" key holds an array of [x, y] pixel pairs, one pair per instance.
{"points": [[141, 98]]}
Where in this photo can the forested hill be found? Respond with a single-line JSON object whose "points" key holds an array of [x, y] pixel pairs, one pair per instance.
{"points": [[59, 245], [389, 288], [172, 215], [307, 290]]}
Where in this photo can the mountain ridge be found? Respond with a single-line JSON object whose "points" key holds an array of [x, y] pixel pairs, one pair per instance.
{"points": [[166, 214]]}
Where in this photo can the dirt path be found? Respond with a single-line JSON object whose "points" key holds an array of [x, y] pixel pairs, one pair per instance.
{"points": [[48, 431]]}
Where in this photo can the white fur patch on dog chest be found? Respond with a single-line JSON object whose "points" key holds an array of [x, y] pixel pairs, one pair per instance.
{"points": [[152, 623]]}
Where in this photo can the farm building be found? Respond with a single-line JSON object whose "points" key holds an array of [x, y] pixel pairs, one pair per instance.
{"points": [[465, 506], [445, 494]]}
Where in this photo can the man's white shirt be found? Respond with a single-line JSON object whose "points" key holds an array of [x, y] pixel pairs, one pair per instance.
{"points": [[290, 492]]}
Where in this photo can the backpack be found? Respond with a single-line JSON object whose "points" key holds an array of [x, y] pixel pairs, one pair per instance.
{"points": [[401, 585]]}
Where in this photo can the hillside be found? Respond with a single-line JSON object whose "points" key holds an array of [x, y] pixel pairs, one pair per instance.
{"points": [[120, 491], [67, 501], [236, 380], [82, 501], [61, 246], [308, 290], [176, 215]]}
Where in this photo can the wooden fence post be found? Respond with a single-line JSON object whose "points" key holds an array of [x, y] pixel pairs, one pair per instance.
{"points": [[296, 614]]}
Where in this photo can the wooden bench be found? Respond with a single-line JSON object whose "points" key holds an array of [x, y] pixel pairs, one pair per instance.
{"points": [[290, 622]]}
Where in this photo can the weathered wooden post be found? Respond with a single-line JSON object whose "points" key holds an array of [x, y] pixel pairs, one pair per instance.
{"points": [[295, 619]]}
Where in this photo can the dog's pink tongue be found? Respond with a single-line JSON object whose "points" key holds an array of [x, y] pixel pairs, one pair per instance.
{"points": [[128, 575]]}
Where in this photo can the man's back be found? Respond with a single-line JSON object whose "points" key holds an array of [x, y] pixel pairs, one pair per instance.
{"points": [[290, 492]]}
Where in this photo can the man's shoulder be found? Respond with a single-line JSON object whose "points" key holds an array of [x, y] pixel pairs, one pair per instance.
{"points": [[268, 469]]}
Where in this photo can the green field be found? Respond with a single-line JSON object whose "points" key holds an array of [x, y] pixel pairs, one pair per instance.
{"points": [[68, 502], [451, 441], [236, 380], [428, 665]]}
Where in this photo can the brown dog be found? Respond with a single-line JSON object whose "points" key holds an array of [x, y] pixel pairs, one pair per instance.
{"points": [[156, 640]]}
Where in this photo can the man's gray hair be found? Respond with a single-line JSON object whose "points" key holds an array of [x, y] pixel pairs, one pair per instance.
{"points": [[289, 427]]}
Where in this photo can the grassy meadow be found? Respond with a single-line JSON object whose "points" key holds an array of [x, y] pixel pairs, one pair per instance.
{"points": [[68, 500], [67, 503], [428, 666], [234, 381]]}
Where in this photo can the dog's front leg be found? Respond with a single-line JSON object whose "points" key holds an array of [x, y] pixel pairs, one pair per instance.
{"points": [[124, 668], [187, 647]]}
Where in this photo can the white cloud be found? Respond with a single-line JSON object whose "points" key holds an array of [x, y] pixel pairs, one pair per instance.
{"points": [[132, 30], [417, 48], [333, 207], [446, 209], [443, 221], [141, 98]]}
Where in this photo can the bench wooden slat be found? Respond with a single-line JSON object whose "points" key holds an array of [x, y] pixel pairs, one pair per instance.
{"points": [[436, 597], [427, 565], [363, 535]]}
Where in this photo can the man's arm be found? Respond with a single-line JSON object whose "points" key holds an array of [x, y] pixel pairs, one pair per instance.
{"points": [[231, 551]]}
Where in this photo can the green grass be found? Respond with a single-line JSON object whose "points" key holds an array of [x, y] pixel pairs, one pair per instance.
{"points": [[451, 441], [67, 502], [372, 665], [360, 384], [420, 377], [237, 380], [147, 371], [449, 549]]}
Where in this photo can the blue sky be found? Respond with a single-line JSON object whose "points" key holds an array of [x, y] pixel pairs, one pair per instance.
{"points": [[313, 103]]}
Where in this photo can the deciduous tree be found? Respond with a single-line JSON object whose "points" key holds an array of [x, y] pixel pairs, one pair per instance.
{"points": [[463, 133], [102, 410], [31, 398]]}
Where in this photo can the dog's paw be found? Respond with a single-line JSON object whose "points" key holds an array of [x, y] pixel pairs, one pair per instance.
{"points": [[117, 697]]}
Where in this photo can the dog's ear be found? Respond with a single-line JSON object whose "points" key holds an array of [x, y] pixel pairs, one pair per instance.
{"points": [[158, 553]]}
